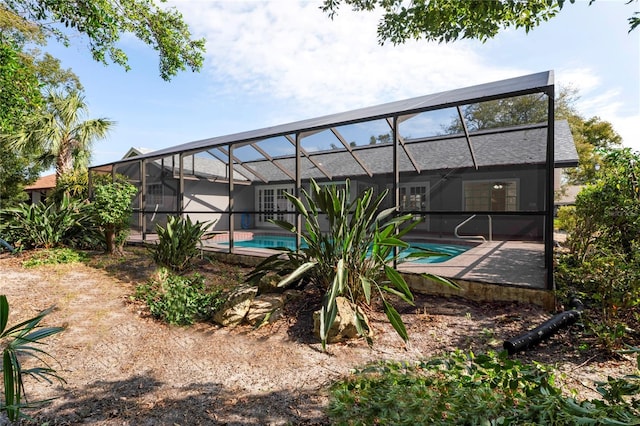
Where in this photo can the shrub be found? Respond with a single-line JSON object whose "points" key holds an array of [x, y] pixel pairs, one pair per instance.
{"points": [[19, 342], [179, 300], [603, 266], [352, 259], [461, 388], [111, 207], [178, 242], [48, 225]]}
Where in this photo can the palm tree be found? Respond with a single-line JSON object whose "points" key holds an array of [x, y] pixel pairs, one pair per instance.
{"points": [[57, 134]]}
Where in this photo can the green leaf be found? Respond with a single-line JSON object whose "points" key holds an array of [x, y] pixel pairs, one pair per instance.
{"points": [[399, 282], [441, 280], [366, 288], [395, 320], [4, 313], [298, 273]]}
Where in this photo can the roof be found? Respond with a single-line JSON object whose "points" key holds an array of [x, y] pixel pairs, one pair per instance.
{"points": [[43, 182], [534, 83], [509, 147]]}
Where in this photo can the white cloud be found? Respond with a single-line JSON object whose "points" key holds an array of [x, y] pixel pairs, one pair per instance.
{"points": [[292, 52]]}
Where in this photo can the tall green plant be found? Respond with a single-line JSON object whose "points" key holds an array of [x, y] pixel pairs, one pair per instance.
{"points": [[112, 212], [178, 242], [353, 257], [47, 225], [21, 341]]}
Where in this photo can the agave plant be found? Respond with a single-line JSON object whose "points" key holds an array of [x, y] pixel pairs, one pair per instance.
{"points": [[22, 341], [178, 242], [352, 258]]}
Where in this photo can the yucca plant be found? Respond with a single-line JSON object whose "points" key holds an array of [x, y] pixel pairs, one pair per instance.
{"points": [[22, 341], [178, 242], [352, 258]]}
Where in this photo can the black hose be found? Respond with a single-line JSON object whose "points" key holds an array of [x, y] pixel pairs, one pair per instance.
{"points": [[546, 329]]}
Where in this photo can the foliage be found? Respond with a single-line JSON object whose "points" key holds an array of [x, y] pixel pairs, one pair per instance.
{"points": [[460, 388], [352, 259], [566, 220], [111, 208], [451, 20], [57, 134], [47, 225], [104, 21], [178, 242], [603, 263], [19, 97], [179, 300], [591, 136], [21, 341], [55, 256]]}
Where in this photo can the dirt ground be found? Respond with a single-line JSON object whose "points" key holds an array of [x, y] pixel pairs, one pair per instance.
{"points": [[122, 367]]}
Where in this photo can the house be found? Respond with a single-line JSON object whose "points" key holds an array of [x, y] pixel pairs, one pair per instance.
{"points": [[41, 188], [494, 183]]}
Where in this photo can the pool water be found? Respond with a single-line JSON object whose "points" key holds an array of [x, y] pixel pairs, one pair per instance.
{"points": [[279, 241]]}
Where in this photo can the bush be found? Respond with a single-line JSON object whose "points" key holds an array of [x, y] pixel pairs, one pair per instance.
{"points": [[40, 225], [179, 300], [178, 242], [603, 266], [461, 388], [111, 208]]}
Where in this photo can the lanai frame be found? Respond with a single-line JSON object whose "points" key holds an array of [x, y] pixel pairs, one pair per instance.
{"points": [[539, 83]]}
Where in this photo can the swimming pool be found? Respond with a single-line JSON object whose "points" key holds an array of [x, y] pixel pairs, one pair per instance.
{"points": [[279, 241]]}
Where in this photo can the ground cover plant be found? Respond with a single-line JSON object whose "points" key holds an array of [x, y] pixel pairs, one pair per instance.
{"points": [[463, 388], [353, 258]]}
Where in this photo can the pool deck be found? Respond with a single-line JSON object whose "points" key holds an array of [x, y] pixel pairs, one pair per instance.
{"points": [[516, 263], [492, 270]]}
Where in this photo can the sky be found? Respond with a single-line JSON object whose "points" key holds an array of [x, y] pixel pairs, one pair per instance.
{"points": [[279, 61]]}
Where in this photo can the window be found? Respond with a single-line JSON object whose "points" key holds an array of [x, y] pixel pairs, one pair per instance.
{"points": [[414, 198], [497, 196], [155, 194]]}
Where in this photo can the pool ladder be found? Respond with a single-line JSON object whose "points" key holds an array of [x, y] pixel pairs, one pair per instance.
{"points": [[474, 237]]}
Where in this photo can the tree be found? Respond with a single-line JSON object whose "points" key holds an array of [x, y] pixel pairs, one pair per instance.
{"points": [[19, 96], [103, 22], [112, 211], [450, 20], [590, 135], [58, 135]]}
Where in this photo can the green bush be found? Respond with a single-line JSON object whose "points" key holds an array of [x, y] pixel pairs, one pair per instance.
{"points": [[40, 225], [463, 389], [179, 300], [178, 242], [352, 259], [566, 220], [603, 265], [111, 209], [19, 342]]}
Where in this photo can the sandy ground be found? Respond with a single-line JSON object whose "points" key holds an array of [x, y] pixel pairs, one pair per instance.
{"points": [[124, 368]]}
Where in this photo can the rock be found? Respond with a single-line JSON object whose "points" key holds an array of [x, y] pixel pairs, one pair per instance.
{"points": [[236, 307], [265, 308], [344, 326]]}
